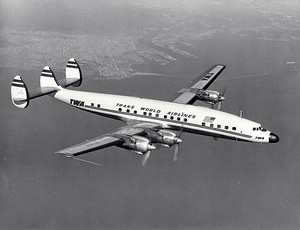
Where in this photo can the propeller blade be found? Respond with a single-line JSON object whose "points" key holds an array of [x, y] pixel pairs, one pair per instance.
{"points": [[146, 158], [219, 105], [221, 98], [224, 91], [176, 152], [181, 131]]}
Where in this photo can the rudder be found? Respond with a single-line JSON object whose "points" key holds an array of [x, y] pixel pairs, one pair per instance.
{"points": [[19, 93], [73, 74], [47, 79]]}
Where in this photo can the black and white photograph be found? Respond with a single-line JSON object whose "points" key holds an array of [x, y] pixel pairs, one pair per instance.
{"points": [[150, 115]]}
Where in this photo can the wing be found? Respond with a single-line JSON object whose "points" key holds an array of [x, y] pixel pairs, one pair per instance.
{"points": [[107, 140], [188, 94]]}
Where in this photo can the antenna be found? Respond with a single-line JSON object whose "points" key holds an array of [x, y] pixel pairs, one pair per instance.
{"points": [[86, 161], [241, 114]]}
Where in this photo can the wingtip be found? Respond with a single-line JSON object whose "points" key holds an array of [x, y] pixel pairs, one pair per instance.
{"points": [[64, 154]]}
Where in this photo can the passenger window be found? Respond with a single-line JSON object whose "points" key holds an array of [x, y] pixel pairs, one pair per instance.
{"points": [[185, 120], [234, 128], [172, 117], [226, 127], [203, 123], [157, 115], [150, 114], [128, 110], [92, 104], [120, 109], [178, 118], [135, 112], [98, 105], [145, 113], [211, 125], [219, 126], [165, 116]]}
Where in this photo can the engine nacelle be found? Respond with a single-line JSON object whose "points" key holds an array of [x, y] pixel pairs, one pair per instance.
{"points": [[164, 137], [210, 97], [138, 144]]}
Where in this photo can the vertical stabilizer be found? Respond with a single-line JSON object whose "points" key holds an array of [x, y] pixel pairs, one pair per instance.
{"points": [[47, 79], [19, 93], [73, 73]]}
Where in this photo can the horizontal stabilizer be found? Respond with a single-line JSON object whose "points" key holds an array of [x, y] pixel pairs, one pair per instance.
{"points": [[19, 93]]}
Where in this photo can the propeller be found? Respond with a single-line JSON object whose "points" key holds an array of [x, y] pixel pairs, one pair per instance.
{"points": [[176, 150], [146, 158], [147, 154], [221, 98]]}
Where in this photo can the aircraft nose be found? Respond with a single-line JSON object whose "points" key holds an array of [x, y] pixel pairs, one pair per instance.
{"points": [[273, 138]]}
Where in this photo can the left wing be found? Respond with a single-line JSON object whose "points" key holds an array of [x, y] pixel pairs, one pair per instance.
{"points": [[115, 138], [188, 95]]}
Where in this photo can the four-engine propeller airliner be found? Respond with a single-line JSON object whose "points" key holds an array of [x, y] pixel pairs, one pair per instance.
{"points": [[149, 123]]}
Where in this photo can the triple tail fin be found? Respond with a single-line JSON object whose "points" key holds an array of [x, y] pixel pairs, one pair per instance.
{"points": [[73, 74], [48, 84], [47, 79], [19, 93]]}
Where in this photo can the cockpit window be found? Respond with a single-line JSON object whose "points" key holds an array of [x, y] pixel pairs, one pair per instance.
{"points": [[262, 129], [259, 128]]}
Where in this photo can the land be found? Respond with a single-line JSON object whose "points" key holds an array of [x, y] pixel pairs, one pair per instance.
{"points": [[169, 37]]}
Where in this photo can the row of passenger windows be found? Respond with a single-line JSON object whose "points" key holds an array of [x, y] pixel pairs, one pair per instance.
{"points": [[98, 105], [173, 118], [156, 115], [218, 126], [179, 119]]}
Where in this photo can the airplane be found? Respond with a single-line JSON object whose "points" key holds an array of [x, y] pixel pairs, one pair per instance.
{"points": [[149, 123]]}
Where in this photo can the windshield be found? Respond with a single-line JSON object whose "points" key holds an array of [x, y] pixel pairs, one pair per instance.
{"points": [[262, 129]]}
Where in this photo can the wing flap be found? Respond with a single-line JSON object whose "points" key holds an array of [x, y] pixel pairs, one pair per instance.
{"points": [[186, 98]]}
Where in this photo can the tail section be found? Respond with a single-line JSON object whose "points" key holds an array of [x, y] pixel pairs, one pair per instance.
{"points": [[48, 84], [19, 93], [73, 74], [47, 79]]}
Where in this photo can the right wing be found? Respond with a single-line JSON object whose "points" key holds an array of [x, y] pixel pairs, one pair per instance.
{"points": [[115, 138], [188, 95], [89, 146]]}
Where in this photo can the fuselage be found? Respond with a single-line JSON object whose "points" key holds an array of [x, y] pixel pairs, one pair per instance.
{"points": [[188, 118]]}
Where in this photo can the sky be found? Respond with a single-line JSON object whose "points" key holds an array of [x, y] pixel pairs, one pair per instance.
{"points": [[214, 184]]}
